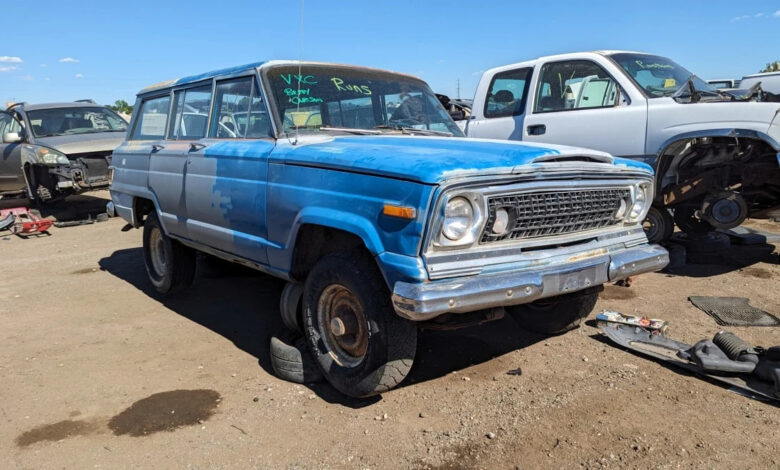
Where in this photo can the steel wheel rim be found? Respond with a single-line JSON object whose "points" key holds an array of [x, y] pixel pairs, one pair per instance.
{"points": [[157, 252], [343, 325]]}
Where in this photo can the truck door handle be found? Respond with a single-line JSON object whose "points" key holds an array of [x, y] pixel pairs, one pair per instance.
{"points": [[195, 146], [536, 129], [157, 147]]}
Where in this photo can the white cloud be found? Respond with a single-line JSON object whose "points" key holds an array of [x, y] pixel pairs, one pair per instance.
{"points": [[8, 68], [44, 65], [78, 75], [69, 59], [776, 14], [46, 79], [740, 18], [17, 60], [477, 73], [28, 78], [758, 15]]}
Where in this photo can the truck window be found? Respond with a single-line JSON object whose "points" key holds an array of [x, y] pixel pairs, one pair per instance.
{"points": [[239, 111], [150, 124], [576, 84], [192, 113], [507, 93]]}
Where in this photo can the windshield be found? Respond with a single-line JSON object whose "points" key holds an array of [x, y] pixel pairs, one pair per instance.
{"points": [[658, 76], [69, 121], [322, 96]]}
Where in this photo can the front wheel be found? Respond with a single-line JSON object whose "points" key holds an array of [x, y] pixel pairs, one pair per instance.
{"points": [[658, 225], [359, 343], [556, 315], [169, 264]]}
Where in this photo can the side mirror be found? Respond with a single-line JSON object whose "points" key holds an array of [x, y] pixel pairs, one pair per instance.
{"points": [[12, 138]]}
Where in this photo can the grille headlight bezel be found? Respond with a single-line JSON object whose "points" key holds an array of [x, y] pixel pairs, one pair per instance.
{"points": [[462, 220], [641, 202]]}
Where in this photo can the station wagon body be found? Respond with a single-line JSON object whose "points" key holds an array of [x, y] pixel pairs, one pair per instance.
{"points": [[339, 179]]}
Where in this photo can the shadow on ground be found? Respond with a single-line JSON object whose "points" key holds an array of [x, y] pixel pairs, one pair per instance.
{"points": [[736, 258], [74, 207], [242, 305]]}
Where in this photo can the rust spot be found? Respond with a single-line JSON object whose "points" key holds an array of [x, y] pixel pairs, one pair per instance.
{"points": [[165, 411]]}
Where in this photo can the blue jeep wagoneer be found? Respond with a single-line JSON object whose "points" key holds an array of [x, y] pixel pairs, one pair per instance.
{"points": [[355, 186]]}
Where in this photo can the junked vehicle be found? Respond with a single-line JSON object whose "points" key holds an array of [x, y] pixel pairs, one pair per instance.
{"points": [[353, 185], [715, 155], [768, 81], [55, 149], [723, 83]]}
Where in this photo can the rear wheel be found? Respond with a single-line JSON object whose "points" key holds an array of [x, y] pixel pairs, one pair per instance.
{"points": [[359, 343], [558, 314], [169, 264]]}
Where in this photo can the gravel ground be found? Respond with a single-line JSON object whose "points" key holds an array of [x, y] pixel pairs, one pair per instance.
{"points": [[98, 371]]}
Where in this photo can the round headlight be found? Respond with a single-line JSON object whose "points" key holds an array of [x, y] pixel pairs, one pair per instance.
{"points": [[458, 218]]}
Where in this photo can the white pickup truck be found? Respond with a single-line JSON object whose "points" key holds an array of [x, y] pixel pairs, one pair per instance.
{"points": [[716, 156]]}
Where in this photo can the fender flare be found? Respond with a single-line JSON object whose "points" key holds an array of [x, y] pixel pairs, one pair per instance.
{"points": [[340, 220], [728, 132]]}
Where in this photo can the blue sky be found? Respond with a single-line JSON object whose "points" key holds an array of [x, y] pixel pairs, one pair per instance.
{"points": [[110, 50]]}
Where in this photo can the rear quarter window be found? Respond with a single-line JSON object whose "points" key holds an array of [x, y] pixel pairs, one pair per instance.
{"points": [[152, 119], [507, 93]]}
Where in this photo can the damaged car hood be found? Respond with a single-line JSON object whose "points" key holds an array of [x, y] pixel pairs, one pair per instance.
{"points": [[83, 143], [431, 159]]}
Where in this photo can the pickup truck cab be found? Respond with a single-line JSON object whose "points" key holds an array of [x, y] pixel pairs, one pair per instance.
{"points": [[715, 155], [356, 187]]}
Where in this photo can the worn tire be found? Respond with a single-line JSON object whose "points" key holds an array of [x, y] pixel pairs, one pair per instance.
{"points": [[685, 218], [391, 341], [175, 269], [556, 315], [291, 360], [658, 225]]}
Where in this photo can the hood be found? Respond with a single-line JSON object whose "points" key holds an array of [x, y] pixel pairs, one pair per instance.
{"points": [[83, 143], [668, 119], [434, 159]]}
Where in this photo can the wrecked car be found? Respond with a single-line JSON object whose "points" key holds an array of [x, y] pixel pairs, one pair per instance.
{"points": [[56, 149], [356, 187], [715, 154]]}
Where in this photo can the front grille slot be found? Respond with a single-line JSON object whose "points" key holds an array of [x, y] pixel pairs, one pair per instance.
{"points": [[544, 214]]}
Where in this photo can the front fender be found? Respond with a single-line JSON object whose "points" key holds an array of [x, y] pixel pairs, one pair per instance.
{"points": [[727, 132], [341, 220]]}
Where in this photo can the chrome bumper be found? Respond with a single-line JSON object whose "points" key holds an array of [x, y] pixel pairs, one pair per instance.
{"points": [[423, 301]]}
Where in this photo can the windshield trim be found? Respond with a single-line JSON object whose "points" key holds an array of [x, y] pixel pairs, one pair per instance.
{"points": [[28, 119], [271, 101]]}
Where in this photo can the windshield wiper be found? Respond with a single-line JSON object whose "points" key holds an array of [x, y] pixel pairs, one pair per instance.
{"points": [[413, 130], [351, 130]]}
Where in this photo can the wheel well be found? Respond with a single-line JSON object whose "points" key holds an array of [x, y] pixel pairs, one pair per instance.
{"points": [[141, 208], [316, 241]]}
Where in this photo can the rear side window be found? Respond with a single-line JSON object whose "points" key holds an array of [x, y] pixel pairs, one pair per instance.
{"points": [[152, 119], [507, 93], [192, 113], [239, 111]]}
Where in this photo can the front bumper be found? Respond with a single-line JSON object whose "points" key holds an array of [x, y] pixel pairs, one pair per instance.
{"points": [[423, 301]]}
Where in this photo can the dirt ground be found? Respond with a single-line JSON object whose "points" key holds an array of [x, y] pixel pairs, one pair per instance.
{"points": [[98, 371]]}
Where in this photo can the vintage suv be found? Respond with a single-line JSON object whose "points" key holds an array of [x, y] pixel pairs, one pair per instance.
{"points": [[355, 185]]}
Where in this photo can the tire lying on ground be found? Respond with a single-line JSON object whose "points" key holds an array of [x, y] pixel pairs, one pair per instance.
{"points": [[291, 360], [556, 315]]}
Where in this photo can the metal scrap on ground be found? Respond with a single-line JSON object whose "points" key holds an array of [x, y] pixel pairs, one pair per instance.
{"points": [[734, 311]]}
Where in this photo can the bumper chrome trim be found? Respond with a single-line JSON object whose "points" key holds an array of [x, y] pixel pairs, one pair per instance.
{"points": [[423, 301]]}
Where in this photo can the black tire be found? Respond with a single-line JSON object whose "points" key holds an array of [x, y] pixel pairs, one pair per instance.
{"points": [[169, 264], [658, 225], [556, 315], [378, 350], [292, 361], [685, 218]]}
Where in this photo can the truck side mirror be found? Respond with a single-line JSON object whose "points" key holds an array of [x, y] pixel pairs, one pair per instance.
{"points": [[12, 138]]}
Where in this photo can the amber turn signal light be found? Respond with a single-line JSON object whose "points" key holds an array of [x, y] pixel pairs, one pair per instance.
{"points": [[401, 212]]}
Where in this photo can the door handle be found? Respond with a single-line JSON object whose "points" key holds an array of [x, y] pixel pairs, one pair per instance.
{"points": [[195, 146], [536, 129], [157, 147]]}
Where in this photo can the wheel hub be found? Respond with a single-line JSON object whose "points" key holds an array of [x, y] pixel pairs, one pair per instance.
{"points": [[343, 324], [157, 252]]}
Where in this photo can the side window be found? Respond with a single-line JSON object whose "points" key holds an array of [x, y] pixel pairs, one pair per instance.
{"points": [[192, 113], [507, 93], [576, 84], [239, 111], [152, 118], [8, 124]]}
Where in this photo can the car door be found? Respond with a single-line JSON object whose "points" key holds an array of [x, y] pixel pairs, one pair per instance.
{"points": [[505, 103], [577, 102], [225, 182], [11, 176]]}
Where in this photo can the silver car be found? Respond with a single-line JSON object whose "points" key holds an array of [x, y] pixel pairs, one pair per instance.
{"points": [[55, 149]]}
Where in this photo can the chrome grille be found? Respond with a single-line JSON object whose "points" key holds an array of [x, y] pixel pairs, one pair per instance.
{"points": [[543, 214]]}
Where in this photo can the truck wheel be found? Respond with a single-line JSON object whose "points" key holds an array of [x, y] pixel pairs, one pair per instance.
{"points": [[685, 218], [556, 315], [658, 225], [170, 265], [359, 343]]}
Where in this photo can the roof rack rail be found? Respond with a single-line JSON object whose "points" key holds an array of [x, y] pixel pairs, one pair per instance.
{"points": [[13, 105], [87, 100]]}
